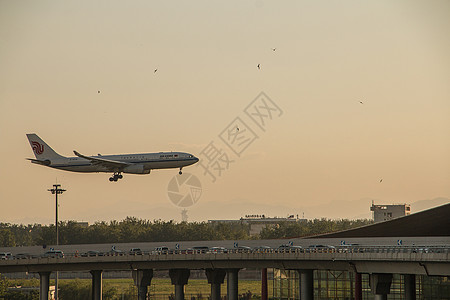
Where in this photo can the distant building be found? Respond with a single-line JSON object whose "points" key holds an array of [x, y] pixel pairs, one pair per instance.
{"points": [[383, 213], [83, 224], [258, 222]]}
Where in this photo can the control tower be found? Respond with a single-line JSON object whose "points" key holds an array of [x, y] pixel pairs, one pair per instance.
{"points": [[384, 212]]}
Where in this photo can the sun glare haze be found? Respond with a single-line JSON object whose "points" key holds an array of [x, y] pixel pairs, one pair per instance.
{"points": [[357, 94]]}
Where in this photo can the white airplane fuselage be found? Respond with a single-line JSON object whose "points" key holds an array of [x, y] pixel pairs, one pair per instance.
{"points": [[148, 161], [135, 163]]}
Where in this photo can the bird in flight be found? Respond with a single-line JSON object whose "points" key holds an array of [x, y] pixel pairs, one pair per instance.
{"points": [[155, 70], [381, 180], [98, 92], [259, 67], [361, 102], [273, 49]]}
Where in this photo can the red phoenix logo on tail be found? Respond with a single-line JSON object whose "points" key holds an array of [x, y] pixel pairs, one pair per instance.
{"points": [[37, 148]]}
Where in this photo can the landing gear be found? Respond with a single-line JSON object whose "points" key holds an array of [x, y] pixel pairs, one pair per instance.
{"points": [[115, 177], [180, 171]]}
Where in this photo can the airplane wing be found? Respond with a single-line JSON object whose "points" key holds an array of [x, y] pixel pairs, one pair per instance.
{"points": [[107, 163]]}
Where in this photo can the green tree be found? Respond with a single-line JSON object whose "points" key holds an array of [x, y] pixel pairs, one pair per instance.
{"points": [[110, 293], [17, 295], [74, 290], [71, 232], [3, 285], [7, 239], [132, 229], [310, 227]]}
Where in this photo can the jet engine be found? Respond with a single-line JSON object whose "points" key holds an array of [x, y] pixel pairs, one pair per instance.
{"points": [[136, 169]]}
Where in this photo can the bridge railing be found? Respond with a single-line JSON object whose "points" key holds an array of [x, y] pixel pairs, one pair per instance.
{"points": [[263, 250]]}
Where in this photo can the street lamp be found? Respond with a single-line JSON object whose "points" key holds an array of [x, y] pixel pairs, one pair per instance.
{"points": [[56, 190]]}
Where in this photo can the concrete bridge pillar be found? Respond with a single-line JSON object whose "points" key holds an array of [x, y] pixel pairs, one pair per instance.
{"points": [[264, 290], [232, 284], [358, 286], [410, 286], [96, 284], [215, 278], [142, 279], [179, 278], [44, 285], [306, 284], [380, 284]]}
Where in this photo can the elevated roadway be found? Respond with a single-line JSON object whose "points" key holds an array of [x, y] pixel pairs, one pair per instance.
{"points": [[379, 261], [374, 259]]}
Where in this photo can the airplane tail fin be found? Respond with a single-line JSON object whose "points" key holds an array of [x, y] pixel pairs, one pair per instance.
{"points": [[41, 150]]}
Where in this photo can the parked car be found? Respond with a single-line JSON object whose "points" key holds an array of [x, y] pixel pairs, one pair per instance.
{"points": [[262, 249], [92, 253], [289, 248], [162, 250], [420, 250], [320, 248], [200, 249], [135, 251], [23, 256], [115, 252], [53, 254], [218, 250], [349, 248], [243, 249], [5, 255]]}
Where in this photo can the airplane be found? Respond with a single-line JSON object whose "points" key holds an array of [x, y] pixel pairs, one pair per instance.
{"points": [[136, 163]]}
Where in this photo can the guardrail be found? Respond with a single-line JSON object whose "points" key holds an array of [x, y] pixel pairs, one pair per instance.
{"points": [[284, 249]]}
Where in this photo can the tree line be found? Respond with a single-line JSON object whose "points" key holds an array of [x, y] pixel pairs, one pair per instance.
{"points": [[310, 228], [132, 229]]}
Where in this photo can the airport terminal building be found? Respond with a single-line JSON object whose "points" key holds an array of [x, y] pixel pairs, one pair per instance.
{"points": [[332, 284], [341, 285]]}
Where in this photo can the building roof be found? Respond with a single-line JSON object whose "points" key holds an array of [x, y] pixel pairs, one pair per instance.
{"points": [[431, 222]]}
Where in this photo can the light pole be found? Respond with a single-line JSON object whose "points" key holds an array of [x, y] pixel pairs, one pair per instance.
{"points": [[56, 190]]}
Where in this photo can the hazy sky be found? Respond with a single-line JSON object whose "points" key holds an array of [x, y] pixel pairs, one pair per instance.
{"points": [[325, 146]]}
